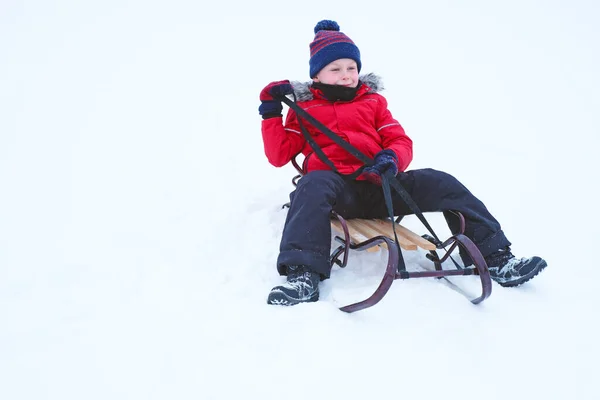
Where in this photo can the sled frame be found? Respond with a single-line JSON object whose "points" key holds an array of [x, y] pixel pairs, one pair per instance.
{"points": [[410, 241]]}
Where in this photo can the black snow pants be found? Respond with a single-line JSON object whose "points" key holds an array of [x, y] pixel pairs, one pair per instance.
{"points": [[306, 236]]}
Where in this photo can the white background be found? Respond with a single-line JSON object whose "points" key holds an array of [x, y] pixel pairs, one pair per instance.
{"points": [[140, 220]]}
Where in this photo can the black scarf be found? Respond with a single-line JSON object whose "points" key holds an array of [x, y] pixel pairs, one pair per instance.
{"points": [[336, 92]]}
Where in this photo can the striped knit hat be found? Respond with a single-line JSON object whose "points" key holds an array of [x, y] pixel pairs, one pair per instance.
{"points": [[329, 45]]}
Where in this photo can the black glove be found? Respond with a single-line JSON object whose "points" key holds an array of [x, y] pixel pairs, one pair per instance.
{"points": [[385, 160]]}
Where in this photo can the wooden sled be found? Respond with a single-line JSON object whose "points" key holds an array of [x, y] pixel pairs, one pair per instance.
{"points": [[373, 234]]}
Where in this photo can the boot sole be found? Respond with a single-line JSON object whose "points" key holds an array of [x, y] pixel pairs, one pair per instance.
{"points": [[279, 298], [538, 268]]}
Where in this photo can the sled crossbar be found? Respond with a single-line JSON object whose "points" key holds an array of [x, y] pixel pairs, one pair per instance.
{"points": [[374, 234]]}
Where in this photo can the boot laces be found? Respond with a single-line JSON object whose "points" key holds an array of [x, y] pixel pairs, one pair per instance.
{"points": [[300, 281], [510, 266]]}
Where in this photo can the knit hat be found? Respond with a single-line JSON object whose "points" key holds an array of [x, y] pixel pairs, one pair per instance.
{"points": [[329, 45]]}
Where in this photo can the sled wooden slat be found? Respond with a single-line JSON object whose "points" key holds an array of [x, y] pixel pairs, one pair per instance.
{"points": [[386, 228], [355, 235], [362, 229], [374, 229]]}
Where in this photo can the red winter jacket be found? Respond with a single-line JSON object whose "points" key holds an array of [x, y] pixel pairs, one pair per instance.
{"points": [[365, 122]]}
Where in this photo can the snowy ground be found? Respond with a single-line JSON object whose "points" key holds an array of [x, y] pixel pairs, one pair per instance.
{"points": [[140, 220]]}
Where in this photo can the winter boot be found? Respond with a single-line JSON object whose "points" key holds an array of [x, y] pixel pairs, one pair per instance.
{"points": [[508, 270], [302, 286]]}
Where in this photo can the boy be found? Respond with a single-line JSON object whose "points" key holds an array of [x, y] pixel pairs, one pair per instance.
{"points": [[350, 106]]}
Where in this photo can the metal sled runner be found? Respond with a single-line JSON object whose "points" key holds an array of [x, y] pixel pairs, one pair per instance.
{"points": [[379, 233]]}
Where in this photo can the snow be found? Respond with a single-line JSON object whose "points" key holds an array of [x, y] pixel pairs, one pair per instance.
{"points": [[140, 220]]}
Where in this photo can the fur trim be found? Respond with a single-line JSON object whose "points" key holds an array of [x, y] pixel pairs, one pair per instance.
{"points": [[302, 90], [303, 93], [373, 81]]}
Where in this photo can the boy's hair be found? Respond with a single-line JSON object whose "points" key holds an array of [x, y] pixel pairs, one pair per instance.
{"points": [[329, 45]]}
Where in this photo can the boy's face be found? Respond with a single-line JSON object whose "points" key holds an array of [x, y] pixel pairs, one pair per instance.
{"points": [[342, 72]]}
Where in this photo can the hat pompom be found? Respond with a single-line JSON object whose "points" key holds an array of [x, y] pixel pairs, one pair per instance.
{"points": [[327, 25]]}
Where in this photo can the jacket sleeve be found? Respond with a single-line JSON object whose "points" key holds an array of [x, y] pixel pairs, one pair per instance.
{"points": [[393, 136], [282, 143]]}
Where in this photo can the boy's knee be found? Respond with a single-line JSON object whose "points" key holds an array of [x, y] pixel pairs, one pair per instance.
{"points": [[441, 179]]}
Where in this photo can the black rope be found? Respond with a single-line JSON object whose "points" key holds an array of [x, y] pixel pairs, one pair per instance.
{"points": [[321, 155], [387, 195]]}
